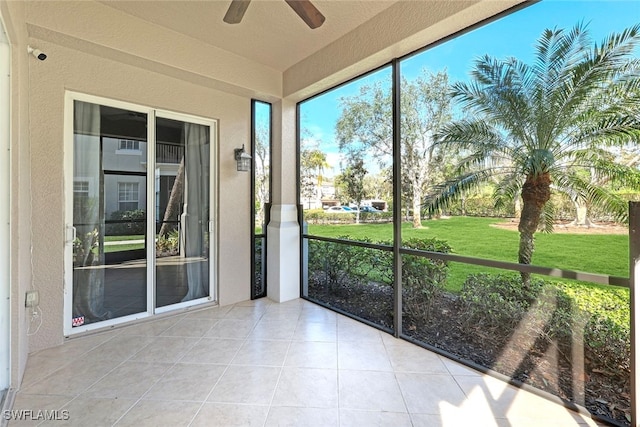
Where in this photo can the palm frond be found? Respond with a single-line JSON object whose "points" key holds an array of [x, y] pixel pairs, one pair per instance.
{"points": [[604, 65], [583, 189], [466, 134], [507, 190], [609, 130], [547, 217], [442, 196]]}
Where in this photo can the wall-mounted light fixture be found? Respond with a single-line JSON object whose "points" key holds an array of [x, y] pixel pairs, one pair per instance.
{"points": [[243, 159]]}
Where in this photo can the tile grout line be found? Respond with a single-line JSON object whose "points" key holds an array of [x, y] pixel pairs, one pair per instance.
{"points": [[275, 389], [68, 363], [76, 396], [227, 365], [159, 335], [395, 377]]}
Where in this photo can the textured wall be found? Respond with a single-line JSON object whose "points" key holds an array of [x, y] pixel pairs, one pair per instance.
{"points": [[284, 174], [97, 50], [106, 32], [81, 72], [13, 12]]}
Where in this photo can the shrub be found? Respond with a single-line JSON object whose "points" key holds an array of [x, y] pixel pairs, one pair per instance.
{"points": [[136, 222], [339, 264], [342, 264], [319, 216], [168, 245], [423, 279], [482, 206], [607, 332], [556, 311], [497, 302]]}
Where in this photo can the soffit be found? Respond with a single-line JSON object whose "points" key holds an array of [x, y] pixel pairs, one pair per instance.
{"points": [[270, 32]]}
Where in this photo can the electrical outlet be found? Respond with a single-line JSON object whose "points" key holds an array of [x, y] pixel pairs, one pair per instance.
{"points": [[32, 299]]}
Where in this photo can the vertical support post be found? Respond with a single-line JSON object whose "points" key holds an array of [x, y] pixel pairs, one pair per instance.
{"points": [[397, 200], [267, 219], [283, 229], [252, 207], [634, 300], [305, 258]]}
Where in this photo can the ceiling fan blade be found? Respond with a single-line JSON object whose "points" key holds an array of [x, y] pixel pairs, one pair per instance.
{"points": [[307, 11], [236, 11]]}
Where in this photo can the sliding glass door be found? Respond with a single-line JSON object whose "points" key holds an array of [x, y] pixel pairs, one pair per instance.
{"points": [[139, 225], [182, 188]]}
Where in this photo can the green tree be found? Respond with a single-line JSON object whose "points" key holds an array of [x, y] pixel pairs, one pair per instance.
{"points": [[262, 172], [312, 164], [379, 186], [628, 156], [366, 126], [535, 125], [352, 180]]}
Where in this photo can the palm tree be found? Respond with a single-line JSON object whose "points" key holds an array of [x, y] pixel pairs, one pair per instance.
{"points": [[534, 127], [314, 161]]}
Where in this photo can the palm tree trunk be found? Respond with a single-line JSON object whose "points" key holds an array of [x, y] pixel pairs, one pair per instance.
{"points": [[536, 192], [173, 205]]}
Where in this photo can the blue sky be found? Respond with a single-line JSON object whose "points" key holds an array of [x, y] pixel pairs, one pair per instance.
{"points": [[512, 35]]}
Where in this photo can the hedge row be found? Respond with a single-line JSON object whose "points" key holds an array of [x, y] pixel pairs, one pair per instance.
{"points": [[319, 216], [555, 311], [336, 265], [494, 305]]}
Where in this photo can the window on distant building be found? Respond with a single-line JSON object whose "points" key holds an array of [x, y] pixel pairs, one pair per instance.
{"points": [[80, 196], [128, 196], [129, 144]]}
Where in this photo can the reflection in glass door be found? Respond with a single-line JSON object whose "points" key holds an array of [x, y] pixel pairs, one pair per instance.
{"points": [[109, 214], [182, 211], [139, 226]]}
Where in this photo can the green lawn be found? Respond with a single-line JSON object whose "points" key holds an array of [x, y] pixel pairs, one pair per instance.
{"points": [[123, 247], [121, 238], [476, 237]]}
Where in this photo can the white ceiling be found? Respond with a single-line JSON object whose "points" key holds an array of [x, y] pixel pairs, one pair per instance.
{"points": [[270, 32]]}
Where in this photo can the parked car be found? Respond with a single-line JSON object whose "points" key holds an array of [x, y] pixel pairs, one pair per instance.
{"points": [[369, 209], [340, 209]]}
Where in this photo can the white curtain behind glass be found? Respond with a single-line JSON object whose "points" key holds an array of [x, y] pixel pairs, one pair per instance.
{"points": [[88, 276], [196, 210]]}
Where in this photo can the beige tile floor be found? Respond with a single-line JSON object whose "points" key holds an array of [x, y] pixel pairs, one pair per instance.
{"points": [[265, 364]]}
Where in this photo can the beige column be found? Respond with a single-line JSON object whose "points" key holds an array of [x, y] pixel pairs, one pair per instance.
{"points": [[283, 231]]}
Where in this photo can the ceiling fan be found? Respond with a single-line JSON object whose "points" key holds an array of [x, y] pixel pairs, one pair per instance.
{"points": [[305, 10]]}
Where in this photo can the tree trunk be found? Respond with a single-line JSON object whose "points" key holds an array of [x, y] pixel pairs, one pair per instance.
{"points": [[173, 205], [417, 206], [517, 205], [582, 218], [536, 192]]}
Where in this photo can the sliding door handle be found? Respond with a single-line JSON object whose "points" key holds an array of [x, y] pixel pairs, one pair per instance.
{"points": [[71, 230]]}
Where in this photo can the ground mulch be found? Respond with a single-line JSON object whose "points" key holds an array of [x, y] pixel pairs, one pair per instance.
{"points": [[543, 363]]}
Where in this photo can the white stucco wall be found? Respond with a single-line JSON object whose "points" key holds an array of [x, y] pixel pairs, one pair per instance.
{"points": [[106, 32], [5, 206], [98, 50], [85, 73], [20, 212]]}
